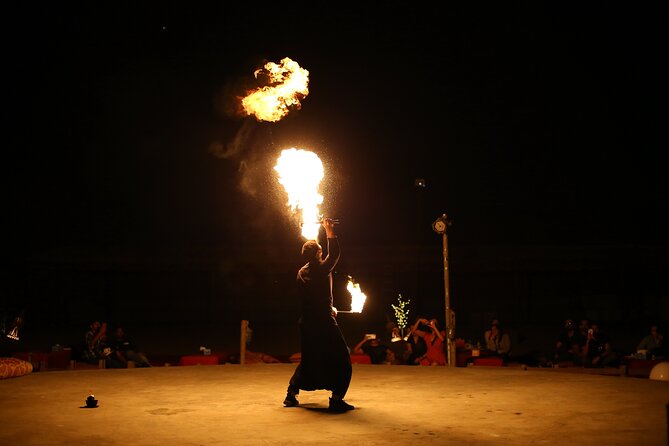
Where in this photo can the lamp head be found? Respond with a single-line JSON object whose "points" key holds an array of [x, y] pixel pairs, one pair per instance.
{"points": [[440, 224]]}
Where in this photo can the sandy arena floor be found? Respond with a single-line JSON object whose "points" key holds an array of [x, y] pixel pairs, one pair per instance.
{"points": [[397, 405]]}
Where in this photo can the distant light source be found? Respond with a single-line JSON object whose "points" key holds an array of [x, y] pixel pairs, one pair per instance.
{"points": [[420, 182], [14, 332]]}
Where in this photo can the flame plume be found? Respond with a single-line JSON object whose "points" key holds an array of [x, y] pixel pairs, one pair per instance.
{"points": [[358, 298], [288, 84], [300, 173]]}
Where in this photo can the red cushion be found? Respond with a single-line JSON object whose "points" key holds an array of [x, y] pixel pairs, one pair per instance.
{"points": [[646, 364], [361, 359], [59, 359], [200, 360], [13, 367], [494, 362]]}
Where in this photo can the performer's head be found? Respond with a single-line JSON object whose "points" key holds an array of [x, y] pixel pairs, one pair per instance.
{"points": [[311, 251]]}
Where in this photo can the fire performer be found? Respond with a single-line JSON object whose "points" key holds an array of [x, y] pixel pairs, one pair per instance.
{"points": [[325, 362]]}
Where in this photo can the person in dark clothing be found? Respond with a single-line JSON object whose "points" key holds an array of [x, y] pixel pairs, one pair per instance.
{"points": [[653, 343], [497, 342], [568, 344], [125, 350], [416, 343], [371, 346], [325, 362], [598, 350], [94, 348]]}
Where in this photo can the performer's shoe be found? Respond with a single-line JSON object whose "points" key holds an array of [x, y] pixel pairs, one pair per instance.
{"points": [[290, 400], [339, 406]]}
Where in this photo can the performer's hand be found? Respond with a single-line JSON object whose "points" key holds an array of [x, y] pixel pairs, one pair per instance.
{"points": [[327, 223], [334, 311]]}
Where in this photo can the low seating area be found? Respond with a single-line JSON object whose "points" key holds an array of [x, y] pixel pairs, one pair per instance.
{"points": [[488, 362], [213, 359], [41, 361], [27, 362], [14, 367], [466, 357], [639, 367], [360, 359]]}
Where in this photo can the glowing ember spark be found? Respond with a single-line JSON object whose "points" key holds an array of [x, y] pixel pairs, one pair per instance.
{"points": [[358, 298], [288, 84], [300, 173]]}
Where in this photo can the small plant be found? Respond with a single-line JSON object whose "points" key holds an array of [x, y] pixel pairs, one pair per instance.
{"points": [[401, 313]]}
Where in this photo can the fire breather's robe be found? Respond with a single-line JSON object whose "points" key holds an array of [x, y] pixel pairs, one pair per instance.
{"points": [[325, 362]]}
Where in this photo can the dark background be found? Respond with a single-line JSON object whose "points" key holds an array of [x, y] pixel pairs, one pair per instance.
{"points": [[132, 195]]}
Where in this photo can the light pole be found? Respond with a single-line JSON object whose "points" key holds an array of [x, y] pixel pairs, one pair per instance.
{"points": [[439, 226]]}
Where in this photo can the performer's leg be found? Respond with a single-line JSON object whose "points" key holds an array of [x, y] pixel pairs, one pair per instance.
{"points": [[293, 388], [345, 380], [295, 380], [337, 403]]}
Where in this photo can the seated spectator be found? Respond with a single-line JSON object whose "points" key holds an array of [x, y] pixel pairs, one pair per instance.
{"points": [[434, 340], [378, 353], [95, 343], [598, 351], [578, 353], [124, 350], [497, 342], [653, 343], [568, 344], [416, 344], [400, 347], [395, 335]]}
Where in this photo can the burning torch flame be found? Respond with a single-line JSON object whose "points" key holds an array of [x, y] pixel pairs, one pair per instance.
{"points": [[300, 173], [358, 298], [288, 84]]}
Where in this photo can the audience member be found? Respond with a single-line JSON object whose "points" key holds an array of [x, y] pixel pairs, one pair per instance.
{"points": [[399, 346], [568, 344], [434, 340], [653, 344], [95, 347], [598, 351], [125, 350], [583, 327], [416, 342], [497, 342], [378, 352], [579, 356]]}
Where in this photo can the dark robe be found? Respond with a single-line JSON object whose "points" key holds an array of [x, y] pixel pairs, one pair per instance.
{"points": [[325, 362]]}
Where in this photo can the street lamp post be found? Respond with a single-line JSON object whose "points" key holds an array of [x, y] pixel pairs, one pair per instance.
{"points": [[439, 226]]}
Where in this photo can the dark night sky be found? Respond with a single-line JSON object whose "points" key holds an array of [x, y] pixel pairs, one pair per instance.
{"points": [[539, 129], [532, 124]]}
